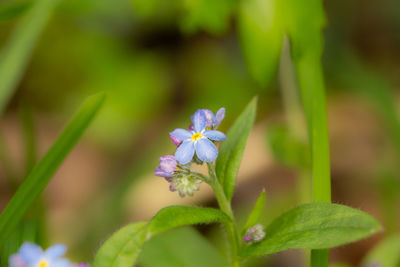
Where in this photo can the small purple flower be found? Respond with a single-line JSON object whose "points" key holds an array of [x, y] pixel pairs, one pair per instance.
{"points": [[197, 140], [213, 121], [30, 254], [167, 167]]}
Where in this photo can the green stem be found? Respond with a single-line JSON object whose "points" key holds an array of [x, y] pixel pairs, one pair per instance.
{"points": [[309, 72], [225, 206]]}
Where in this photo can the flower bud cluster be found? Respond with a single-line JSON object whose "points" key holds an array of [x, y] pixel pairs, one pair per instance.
{"points": [[254, 234]]}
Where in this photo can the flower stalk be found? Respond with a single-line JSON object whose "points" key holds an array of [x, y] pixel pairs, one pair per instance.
{"points": [[225, 206]]}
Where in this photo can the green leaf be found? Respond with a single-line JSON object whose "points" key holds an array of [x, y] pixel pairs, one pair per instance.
{"points": [[16, 53], [176, 216], [261, 38], [303, 22], [255, 214], [286, 148], [183, 247], [38, 178], [231, 150], [210, 15], [123, 247], [315, 226], [386, 253]]}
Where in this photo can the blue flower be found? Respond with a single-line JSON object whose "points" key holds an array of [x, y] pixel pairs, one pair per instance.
{"points": [[213, 121], [197, 140], [31, 255]]}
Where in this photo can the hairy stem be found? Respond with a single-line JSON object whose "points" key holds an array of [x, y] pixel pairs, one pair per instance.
{"points": [[225, 206]]}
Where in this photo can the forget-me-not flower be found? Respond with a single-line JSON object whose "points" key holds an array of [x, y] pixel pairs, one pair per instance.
{"points": [[198, 140], [213, 120], [31, 255], [168, 166]]}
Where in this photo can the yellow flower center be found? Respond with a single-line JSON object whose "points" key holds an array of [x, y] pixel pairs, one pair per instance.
{"points": [[43, 263], [196, 136]]}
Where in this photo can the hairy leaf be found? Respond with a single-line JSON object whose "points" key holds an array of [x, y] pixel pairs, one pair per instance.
{"points": [[38, 178], [315, 226], [176, 216], [123, 247], [231, 150], [255, 214]]}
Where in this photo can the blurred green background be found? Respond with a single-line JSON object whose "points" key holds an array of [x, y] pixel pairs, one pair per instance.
{"points": [[159, 61]]}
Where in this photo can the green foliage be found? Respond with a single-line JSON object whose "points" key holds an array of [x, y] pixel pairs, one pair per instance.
{"points": [[386, 253], [16, 53], [9, 11], [181, 247], [212, 16], [231, 150], [261, 37], [176, 216], [314, 226], [286, 148], [38, 178], [256, 212], [123, 248]]}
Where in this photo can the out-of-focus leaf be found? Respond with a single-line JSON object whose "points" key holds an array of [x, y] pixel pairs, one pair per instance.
{"points": [[314, 226], [261, 36], [176, 216], [385, 254], [123, 247], [255, 214], [212, 16], [181, 247], [16, 53], [231, 150], [286, 149], [38, 178], [303, 22], [13, 10]]}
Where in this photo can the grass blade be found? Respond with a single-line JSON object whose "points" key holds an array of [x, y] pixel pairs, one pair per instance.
{"points": [[38, 178]]}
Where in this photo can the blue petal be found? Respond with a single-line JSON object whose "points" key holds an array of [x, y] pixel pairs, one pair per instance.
{"points": [[199, 121], [206, 150], [181, 134], [60, 263], [185, 152], [30, 252], [215, 135], [55, 251], [219, 116]]}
